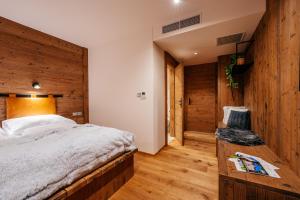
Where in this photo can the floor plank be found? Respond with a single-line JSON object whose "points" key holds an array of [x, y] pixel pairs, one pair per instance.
{"points": [[176, 173], [200, 136]]}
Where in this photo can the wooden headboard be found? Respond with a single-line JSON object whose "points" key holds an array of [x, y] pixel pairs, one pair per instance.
{"points": [[28, 55], [21, 107]]}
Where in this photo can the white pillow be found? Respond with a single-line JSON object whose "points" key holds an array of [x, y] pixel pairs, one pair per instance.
{"points": [[228, 109], [2, 134], [16, 126]]}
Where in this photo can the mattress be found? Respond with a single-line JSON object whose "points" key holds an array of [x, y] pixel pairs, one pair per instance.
{"points": [[52, 157]]}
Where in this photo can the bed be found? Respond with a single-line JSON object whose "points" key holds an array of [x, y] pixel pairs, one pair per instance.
{"points": [[58, 158]]}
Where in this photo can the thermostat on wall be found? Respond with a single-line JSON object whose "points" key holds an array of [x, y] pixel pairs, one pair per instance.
{"points": [[141, 95]]}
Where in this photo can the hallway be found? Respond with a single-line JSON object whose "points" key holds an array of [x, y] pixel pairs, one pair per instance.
{"points": [[177, 173]]}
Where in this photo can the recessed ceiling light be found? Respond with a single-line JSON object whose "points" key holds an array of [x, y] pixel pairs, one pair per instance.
{"points": [[196, 53], [177, 1]]}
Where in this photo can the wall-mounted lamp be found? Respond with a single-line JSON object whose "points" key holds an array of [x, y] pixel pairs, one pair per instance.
{"points": [[36, 85]]}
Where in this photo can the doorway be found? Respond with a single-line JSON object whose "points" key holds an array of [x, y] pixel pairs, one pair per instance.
{"points": [[200, 92], [191, 101], [171, 103], [174, 100]]}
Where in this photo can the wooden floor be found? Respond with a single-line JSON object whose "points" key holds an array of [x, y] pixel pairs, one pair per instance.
{"points": [[200, 136], [177, 173]]}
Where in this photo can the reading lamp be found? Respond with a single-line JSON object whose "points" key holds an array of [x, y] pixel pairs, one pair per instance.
{"points": [[36, 85]]}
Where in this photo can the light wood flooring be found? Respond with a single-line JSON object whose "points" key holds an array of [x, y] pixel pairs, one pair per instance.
{"points": [[177, 173], [200, 136]]}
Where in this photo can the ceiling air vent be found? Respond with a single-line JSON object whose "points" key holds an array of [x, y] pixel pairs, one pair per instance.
{"points": [[181, 24], [170, 27], [190, 21], [235, 38]]}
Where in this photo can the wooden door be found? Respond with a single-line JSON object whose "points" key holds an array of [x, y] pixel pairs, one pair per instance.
{"points": [[200, 95], [179, 100], [171, 99]]}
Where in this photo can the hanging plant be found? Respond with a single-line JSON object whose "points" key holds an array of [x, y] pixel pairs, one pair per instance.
{"points": [[228, 71]]}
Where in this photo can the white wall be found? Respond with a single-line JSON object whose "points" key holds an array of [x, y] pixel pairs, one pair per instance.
{"points": [[120, 69], [159, 97]]}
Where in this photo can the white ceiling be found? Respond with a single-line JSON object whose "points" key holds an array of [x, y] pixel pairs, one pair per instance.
{"points": [[94, 22], [105, 20], [217, 21], [203, 40]]}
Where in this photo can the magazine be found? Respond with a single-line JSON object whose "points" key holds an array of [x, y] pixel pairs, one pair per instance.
{"points": [[255, 165]]}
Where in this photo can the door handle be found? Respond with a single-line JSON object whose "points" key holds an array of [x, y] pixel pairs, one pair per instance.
{"points": [[180, 102], [189, 101]]}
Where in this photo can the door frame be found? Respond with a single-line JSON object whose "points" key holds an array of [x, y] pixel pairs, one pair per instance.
{"points": [[169, 60]]}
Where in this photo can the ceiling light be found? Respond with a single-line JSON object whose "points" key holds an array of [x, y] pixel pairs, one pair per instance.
{"points": [[177, 1], [196, 53]]}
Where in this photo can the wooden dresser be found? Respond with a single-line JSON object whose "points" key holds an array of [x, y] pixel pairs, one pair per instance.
{"points": [[234, 185]]}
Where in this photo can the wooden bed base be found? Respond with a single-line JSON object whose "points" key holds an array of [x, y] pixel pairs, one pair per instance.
{"points": [[101, 183]]}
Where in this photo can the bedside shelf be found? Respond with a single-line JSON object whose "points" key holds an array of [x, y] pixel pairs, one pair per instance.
{"points": [[240, 69]]}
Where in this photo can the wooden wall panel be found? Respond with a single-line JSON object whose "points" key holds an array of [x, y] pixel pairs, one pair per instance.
{"points": [[272, 84], [27, 55], [200, 86], [298, 133], [289, 83], [261, 88], [227, 96]]}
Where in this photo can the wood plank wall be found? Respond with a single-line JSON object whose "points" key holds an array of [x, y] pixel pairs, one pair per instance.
{"points": [[28, 55], [226, 96], [271, 88], [200, 94]]}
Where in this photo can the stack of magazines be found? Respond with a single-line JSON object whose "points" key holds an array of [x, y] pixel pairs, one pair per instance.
{"points": [[252, 164]]}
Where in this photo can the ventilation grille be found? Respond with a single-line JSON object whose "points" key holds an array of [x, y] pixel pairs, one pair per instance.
{"points": [[235, 38], [171, 27], [181, 24], [190, 21]]}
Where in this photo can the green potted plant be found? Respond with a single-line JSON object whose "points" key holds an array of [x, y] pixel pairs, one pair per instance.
{"points": [[229, 73]]}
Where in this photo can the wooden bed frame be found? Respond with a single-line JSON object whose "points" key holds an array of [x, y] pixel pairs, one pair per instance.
{"points": [[101, 183]]}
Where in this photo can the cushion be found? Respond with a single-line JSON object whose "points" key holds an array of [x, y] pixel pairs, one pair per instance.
{"points": [[228, 109], [239, 120], [237, 136]]}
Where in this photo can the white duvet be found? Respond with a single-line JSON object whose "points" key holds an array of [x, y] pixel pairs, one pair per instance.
{"points": [[48, 158]]}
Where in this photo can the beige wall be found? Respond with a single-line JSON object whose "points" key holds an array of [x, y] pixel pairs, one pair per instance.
{"points": [[159, 98], [118, 71]]}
